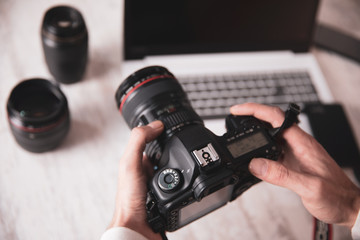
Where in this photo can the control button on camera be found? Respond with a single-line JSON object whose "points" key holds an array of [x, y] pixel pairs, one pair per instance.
{"points": [[169, 179]]}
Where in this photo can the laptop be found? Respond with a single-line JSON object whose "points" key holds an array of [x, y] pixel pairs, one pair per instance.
{"points": [[228, 52]]}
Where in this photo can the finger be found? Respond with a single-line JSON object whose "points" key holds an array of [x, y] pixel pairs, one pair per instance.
{"points": [[274, 115], [148, 167], [275, 173], [271, 114], [138, 139]]}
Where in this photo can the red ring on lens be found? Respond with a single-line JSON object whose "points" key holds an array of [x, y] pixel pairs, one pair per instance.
{"points": [[139, 85], [38, 129]]}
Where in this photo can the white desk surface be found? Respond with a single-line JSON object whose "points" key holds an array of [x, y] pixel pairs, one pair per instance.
{"points": [[69, 193]]}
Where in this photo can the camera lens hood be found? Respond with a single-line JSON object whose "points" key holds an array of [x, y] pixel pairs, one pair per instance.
{"points": [[135, 79], [38, 115]]}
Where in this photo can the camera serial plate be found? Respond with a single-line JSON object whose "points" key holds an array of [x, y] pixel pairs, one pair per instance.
{"points": [[206, 155]]}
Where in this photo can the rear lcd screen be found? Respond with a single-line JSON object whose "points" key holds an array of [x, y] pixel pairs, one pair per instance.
{"points": [[154, 27], [206, 205]]}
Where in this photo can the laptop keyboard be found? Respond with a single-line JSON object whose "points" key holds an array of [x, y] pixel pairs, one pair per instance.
{"points": [[212, 96]]}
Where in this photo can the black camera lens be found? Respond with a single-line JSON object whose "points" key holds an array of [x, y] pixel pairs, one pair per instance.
{"points": [[38, 115], [153, 93], [65, 43]]}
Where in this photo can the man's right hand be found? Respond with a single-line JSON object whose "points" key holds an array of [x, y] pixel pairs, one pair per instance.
{"points": [[307, 169]]}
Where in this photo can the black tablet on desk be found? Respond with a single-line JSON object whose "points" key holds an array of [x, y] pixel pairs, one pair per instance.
{"points": [[332, 129]]}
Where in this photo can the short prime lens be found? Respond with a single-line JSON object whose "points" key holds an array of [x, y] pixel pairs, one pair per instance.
{"points": [[65, 43], [38, 115]]}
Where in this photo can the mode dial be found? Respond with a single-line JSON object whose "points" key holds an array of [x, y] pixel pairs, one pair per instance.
{"points": [[169, 179]]}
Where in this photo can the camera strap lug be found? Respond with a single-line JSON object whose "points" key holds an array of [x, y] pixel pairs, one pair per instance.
{"points": [[291, 117]]}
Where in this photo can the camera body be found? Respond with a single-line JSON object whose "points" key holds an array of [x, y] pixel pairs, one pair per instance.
{"points": [[197, 171], [201, 171]]}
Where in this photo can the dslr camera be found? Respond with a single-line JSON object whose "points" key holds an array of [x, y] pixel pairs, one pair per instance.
{"points": [[196, 170]]}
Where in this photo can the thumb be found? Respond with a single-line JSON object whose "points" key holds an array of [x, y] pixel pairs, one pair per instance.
{"points": [[140, 136], [275, 173]]}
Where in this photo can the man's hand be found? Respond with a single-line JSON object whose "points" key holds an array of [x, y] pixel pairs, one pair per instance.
{"points": [[307, 169], [134, 171]]}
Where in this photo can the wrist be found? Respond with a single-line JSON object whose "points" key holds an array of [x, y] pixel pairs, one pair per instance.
{"points": [[135, 225], [119, 220], [355, 211]]}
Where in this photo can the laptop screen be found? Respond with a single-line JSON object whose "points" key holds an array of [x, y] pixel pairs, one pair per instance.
{"points": [[157, 27]]}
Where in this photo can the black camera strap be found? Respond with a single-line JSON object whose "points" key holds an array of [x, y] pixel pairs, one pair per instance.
{"points": [[163, 235], [291, 117], [322, 230]]}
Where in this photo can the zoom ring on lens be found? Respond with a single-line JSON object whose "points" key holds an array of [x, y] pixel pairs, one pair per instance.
{"points": [[179, 119]]}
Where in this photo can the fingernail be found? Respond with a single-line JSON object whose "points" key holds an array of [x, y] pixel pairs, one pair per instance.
{"points": [[233, 108], [258, 167], [156, 124]]}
